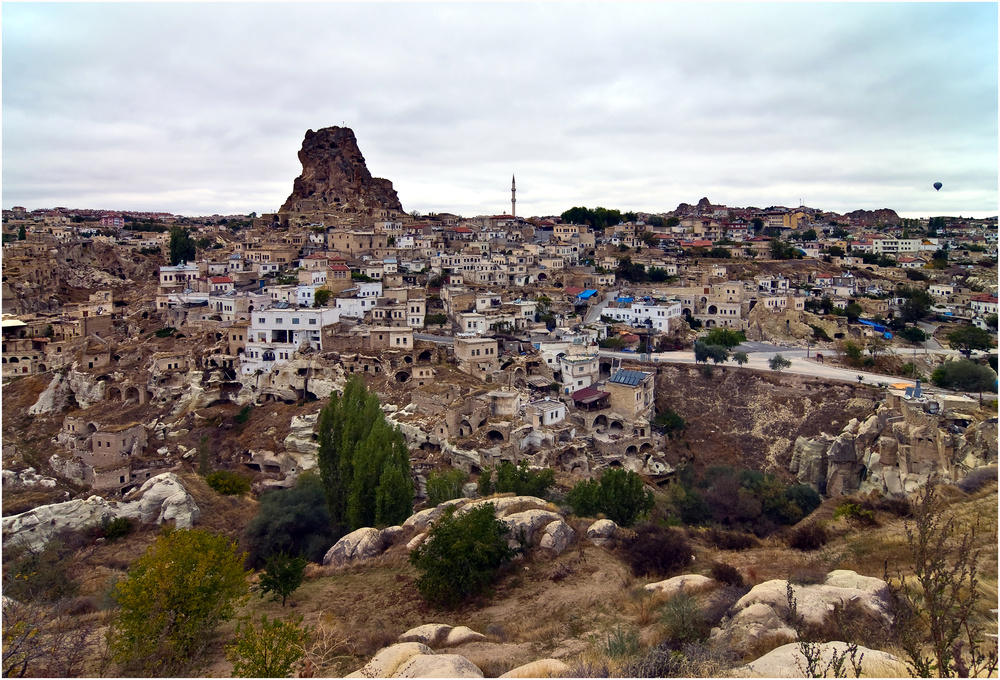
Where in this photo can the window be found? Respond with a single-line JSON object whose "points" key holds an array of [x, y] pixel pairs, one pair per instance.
{"points": [[278, 319], [261, 320], [312, 322], [295, 320]]}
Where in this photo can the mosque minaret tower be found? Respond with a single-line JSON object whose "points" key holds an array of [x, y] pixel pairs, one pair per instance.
{"points": [[513, 200]]}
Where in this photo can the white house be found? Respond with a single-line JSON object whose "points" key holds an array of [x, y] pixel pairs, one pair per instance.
{"points": [[275, 334]]}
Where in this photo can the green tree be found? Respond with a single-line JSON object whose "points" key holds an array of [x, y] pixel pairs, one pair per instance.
{"points": [[670, 423], [852, 352], [435, 319], [444, 485], [517, 479], [704, 351], [969, 338], [294, 521], [172, 600], [777, 363], [740, 358], [356, 446], [321, 297], [21, 233], [965, 376], [916, 305], [620, 495], [723, 337], [912, 335], [270, 651], [182, 247], [282, 576], [461, 555], [228, 483], [991, 322]]}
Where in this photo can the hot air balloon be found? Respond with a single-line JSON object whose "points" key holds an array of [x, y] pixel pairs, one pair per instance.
{"points": [[937, 186]]}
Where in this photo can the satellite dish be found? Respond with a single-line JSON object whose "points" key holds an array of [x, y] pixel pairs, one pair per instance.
{"points": [[937, 186]]}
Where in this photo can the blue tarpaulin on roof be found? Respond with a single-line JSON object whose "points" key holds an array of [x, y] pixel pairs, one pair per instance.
{"points": [[586, 294], [623, 299]]}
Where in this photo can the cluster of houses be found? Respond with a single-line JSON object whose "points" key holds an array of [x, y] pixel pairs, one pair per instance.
{"points": [[518, 305]]}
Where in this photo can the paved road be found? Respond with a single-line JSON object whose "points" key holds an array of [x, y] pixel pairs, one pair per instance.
{"points": [[434, 338], [759, 360]]}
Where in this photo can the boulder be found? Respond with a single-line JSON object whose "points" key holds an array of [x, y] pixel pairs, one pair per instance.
{"points": [[764, 611], [543, 668], [34, 528], [525, 525], [357, 546], [507, 505], [809, 460], [674, 585], [423, 519], [441, 635], [601, 531], [162, 498], [557, 536], [788, 661], [415, 660]]}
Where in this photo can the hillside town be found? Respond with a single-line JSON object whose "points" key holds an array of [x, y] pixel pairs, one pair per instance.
{"points": [[490, 338]]}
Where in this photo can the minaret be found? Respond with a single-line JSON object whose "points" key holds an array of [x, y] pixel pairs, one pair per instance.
{"points": [[513, 200]]}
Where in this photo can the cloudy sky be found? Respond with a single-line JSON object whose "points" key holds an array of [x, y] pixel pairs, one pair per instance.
{"points": [[201, 108]]}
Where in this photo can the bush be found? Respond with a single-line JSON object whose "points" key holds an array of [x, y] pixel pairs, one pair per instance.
{"points": [[293, 521], [856, 515], [174, 597], [977, 479], [683, 619], [444, 485], [519, 480], [165, 332], [670, 423], [268, 652], [965, 376], [726, 574], [809, 536], [244, 415], [461, 556], [622, 644], [228, 483], [282, 576], [119, 527], [40, 574], [657, 551], [804, 496], [731, 540], [620, 495]]}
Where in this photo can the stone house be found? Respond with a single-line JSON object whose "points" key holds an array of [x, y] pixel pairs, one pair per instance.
{"points": [[477, 356]]}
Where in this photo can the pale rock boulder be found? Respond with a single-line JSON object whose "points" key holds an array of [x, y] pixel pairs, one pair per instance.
{"points": [[161, 499], [423, 519], [437, 635], [34, 528], [416, 541], [674, 585], [788, 661], [764, 610], [300, 440], [26, 478], [53, 397], [809, 460], [543, 668], [504, 506], [415, 660], [357, 546], [527, 524], [601, 531], [557, 536]]}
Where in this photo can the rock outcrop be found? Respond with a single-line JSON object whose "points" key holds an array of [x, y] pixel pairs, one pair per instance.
{"points": [[415, 660], [360, 545], [788, 661], [161, 499], [764, 612], [437, 635], [335, 179]]}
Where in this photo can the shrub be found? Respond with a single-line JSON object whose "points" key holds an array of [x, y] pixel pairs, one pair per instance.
{"points": [[165, 332], [119, 527], [443, 486], [731, 540], [726, 574], [228, 483], [244, 415], [683, 619], [270, 651], [294, 521], [856, 515], [174, 597], [657, 550], [461, 555], [622, 644], [282, 576], [620, 495], [519, 480], [809, 536], [804, 496], [977, 479], [669, 423], [40, 574]]}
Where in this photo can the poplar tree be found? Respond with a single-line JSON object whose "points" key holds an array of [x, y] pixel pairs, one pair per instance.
{"points": [[364, 462]]}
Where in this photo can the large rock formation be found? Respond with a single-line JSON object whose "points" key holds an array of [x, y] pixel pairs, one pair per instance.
{"points": [[335, 180]]}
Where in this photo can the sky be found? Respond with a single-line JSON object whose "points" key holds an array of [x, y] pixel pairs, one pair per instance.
{"points": [[197, 109]]}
